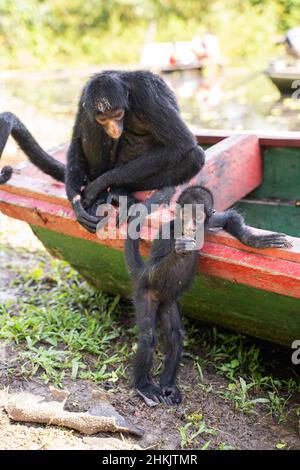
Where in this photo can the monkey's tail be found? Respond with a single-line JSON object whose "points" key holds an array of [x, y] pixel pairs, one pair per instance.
{"points": [[133, 258], [11, 124]]}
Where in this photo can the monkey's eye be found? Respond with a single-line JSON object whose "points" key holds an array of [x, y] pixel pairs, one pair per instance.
{"points": [[101, 119], [116, 115]]}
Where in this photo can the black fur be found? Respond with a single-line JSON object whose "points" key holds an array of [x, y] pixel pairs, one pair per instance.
{"points": [[160, 282], [10, 124], [155, 150]]}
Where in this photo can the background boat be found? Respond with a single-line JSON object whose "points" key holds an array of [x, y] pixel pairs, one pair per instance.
{"points": [[285, 77], [177, 56], [285, 72]]}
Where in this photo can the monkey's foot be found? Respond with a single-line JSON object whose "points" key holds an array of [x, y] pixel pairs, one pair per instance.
{"points": [[172, 394], [151, 394]]}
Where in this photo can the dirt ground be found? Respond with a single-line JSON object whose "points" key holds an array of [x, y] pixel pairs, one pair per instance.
{"points": [[223, 426], [161, 424]]}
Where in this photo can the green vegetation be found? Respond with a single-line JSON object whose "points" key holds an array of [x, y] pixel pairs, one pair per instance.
{"points": [[65, 327], [255, 375], [195, 427], [41, 32]]}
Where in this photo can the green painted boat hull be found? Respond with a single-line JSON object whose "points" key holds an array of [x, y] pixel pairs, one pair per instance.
{"points": [[256, 312], [275, 205]]}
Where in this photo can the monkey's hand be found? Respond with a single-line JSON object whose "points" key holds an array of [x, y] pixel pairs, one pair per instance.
{"points": [[185, 245], [94, 188], [5, 174], [89, 222], [266, 240]]}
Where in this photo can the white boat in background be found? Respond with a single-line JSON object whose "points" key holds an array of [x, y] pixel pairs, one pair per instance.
{"points": [[181, 55], [285, 72]]}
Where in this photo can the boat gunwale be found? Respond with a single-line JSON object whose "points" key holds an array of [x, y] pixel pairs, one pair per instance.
{"points": [[266, 139]]}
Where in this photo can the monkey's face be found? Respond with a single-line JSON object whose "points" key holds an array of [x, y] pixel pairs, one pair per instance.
{"points": [[193, 217], [112, 122]]}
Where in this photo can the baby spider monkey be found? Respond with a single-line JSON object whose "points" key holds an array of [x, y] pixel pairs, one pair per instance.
{"points": [[168, 273]]}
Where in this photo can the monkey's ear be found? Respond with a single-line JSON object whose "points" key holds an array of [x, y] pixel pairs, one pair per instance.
{"points": [[83, 104]]}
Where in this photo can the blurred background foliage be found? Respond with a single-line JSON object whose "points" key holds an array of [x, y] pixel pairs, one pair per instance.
{"points": [[59, 32]]}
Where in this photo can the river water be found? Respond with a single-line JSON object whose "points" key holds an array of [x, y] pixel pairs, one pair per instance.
{"points": [[234, 99]]}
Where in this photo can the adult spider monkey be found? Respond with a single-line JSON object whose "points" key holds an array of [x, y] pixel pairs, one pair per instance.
{"points": [[168, 273], [128, 135]]}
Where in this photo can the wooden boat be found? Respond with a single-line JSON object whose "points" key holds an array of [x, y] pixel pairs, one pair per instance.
{"points": [[285, 78], [285, 71], [167, 57], [246, 289], [175, 67]]}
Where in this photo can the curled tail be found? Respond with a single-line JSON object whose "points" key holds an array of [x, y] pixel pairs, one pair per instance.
{"points": [[11, 125], [133, 259]]}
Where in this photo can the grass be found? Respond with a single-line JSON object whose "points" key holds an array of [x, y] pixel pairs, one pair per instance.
{"points": [[239, 392], [256, 376], [65, 327], [194, 428], [196, 434]]}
